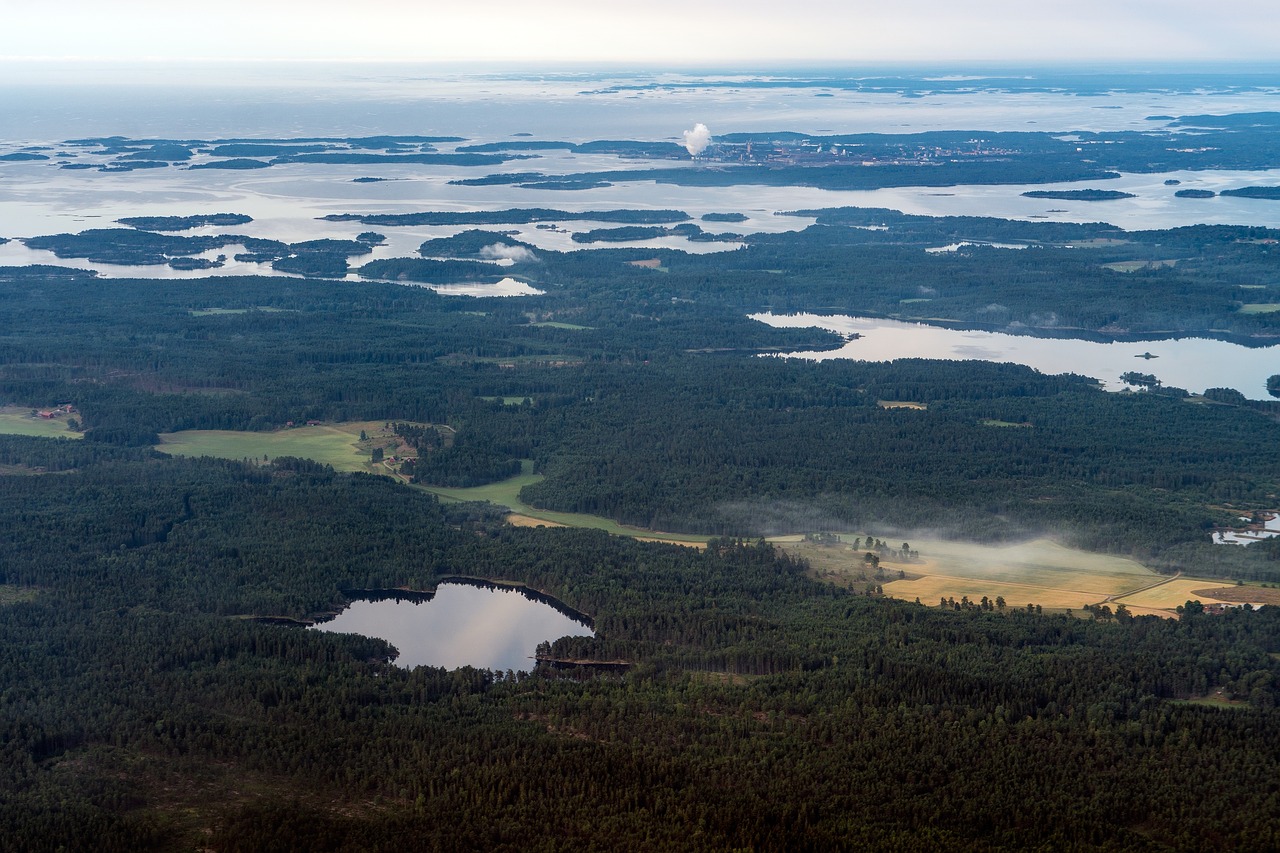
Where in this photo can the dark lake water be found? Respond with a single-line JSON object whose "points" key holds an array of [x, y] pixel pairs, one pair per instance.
{"points": [[463, 625]]}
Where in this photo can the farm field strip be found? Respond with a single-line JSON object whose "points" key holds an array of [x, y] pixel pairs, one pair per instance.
{"points": [[1039, 572], [1175, 592], [18, 421], [329, 444]]}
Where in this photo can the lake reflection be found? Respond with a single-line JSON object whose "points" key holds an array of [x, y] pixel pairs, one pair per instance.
{"points": [[1191, 363], [462, 625]]}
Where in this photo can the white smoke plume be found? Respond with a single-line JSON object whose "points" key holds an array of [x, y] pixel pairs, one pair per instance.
{"points": [[697, 140], [503, 252]]}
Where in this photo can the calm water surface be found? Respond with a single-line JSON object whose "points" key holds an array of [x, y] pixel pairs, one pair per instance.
{"points": [[1191, 363], [462, 625]]}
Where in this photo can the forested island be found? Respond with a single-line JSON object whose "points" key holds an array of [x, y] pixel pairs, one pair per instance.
{"points": [[762, 678], [851, 161], [1079, 195]]}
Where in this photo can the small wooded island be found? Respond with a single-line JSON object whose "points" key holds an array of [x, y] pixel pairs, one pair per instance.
{"points": [[1079, 195]]}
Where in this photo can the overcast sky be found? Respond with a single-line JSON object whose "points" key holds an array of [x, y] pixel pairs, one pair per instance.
{"points": [[678, 32]]}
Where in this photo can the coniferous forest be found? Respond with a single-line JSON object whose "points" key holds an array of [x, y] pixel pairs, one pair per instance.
{"points": [[158, 689]]}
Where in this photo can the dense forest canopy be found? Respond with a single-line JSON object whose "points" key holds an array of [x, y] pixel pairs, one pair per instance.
{"points": [[154, 695]]}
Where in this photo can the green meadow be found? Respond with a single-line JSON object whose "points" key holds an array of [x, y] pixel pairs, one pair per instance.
{"points": [[20, 421], [329, 444]]}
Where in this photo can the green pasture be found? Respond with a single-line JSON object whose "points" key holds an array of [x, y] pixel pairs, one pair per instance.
{"points": [[21, 422], [1260, 308], [213, 312], [553, 324], [329, 444]]}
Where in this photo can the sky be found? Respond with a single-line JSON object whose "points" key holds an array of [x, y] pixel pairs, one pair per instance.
{"points": [[653, 32]]}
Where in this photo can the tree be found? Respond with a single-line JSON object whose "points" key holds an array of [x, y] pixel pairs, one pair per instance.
{"points": [[1190, 609]]}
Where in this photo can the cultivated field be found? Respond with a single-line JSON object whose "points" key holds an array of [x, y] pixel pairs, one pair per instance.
{"points": [[1180, 590], [16, 420], [1260, 308], [338, 445], [1036, 572]]}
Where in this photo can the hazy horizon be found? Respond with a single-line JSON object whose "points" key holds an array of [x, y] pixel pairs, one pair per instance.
{"points": [[714, 31]]}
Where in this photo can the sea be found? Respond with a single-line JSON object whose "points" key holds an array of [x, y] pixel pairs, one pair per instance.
{"points": [[46, 106]]}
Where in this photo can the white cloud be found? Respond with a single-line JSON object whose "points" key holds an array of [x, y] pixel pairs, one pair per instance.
{"points": [[503, 252], [697, 139]]}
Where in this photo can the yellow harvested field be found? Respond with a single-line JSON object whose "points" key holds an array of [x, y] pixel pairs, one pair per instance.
{"points": [[900, 404], [1035, 572], [1039, 563], [1169, 595], [515, 519], [930, 589]]}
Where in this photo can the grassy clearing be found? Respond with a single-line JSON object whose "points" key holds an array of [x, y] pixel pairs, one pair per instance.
{"points": [[1260, 308], [992, 422], [15, 420], [552, 324], [213, 312], [509, 401], [1134, 266], [329, 444], [1216, 699], [1036, 572], [13, 594], [506, 493], [900, 404]]}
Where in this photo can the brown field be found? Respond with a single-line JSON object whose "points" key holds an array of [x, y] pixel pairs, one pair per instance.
{"points": [[515, 519], [1240, 594]]}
